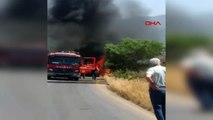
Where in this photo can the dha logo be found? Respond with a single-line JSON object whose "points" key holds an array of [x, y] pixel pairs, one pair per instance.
{"points": [[149, 23]]}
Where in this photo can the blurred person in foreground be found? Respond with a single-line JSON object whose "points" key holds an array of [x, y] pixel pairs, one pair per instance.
{"points": [[155, 75], [198, 68]]}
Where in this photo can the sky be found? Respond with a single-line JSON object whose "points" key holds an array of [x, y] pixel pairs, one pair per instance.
{"points": [[194, 7], [157, 7]]}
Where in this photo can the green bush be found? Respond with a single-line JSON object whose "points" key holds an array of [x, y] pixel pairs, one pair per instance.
{"points": [[132, 54]]}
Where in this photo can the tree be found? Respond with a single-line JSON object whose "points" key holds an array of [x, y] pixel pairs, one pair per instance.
{"points": [[131, 54]]}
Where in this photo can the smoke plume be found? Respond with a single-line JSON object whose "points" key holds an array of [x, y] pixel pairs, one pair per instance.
{"points": [[80, 25], [87, 25]]}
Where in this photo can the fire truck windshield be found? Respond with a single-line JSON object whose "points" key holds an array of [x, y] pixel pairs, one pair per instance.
{"points": [[64, 60]]}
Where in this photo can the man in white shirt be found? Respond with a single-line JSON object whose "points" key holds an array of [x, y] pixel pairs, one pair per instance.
{"points": [[155, 75]]}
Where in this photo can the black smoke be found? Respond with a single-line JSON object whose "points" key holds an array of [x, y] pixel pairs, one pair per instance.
{"points": [[81, 25], [87, 25]]}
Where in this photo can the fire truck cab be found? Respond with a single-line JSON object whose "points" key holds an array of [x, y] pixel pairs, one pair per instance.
{"points": [[64, 64]]}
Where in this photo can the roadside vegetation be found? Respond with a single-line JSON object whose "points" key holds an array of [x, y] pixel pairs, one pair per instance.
{"points": [[128, 61], [129, 58]]}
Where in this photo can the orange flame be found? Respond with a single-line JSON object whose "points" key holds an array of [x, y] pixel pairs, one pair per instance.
{"points": [[100, 65], [107, 71]]}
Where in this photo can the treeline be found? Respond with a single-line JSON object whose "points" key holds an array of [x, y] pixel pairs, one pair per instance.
{"points": [[131, 55]]}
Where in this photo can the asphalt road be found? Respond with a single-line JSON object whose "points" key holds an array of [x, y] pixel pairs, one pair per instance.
{"points": [[24, 95], [90, 100]]}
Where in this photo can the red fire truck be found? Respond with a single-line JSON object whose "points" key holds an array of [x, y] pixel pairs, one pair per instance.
{"points": [[64, 64]]}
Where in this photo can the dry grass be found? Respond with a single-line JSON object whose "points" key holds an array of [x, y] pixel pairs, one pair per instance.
{"points": [[133, 90], [137, 90]]}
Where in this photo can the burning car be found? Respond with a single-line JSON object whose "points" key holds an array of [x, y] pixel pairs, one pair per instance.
{"points": [[89, 67]]}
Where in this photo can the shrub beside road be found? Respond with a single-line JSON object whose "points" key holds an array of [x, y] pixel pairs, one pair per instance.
{"points": [[132, 54]]}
